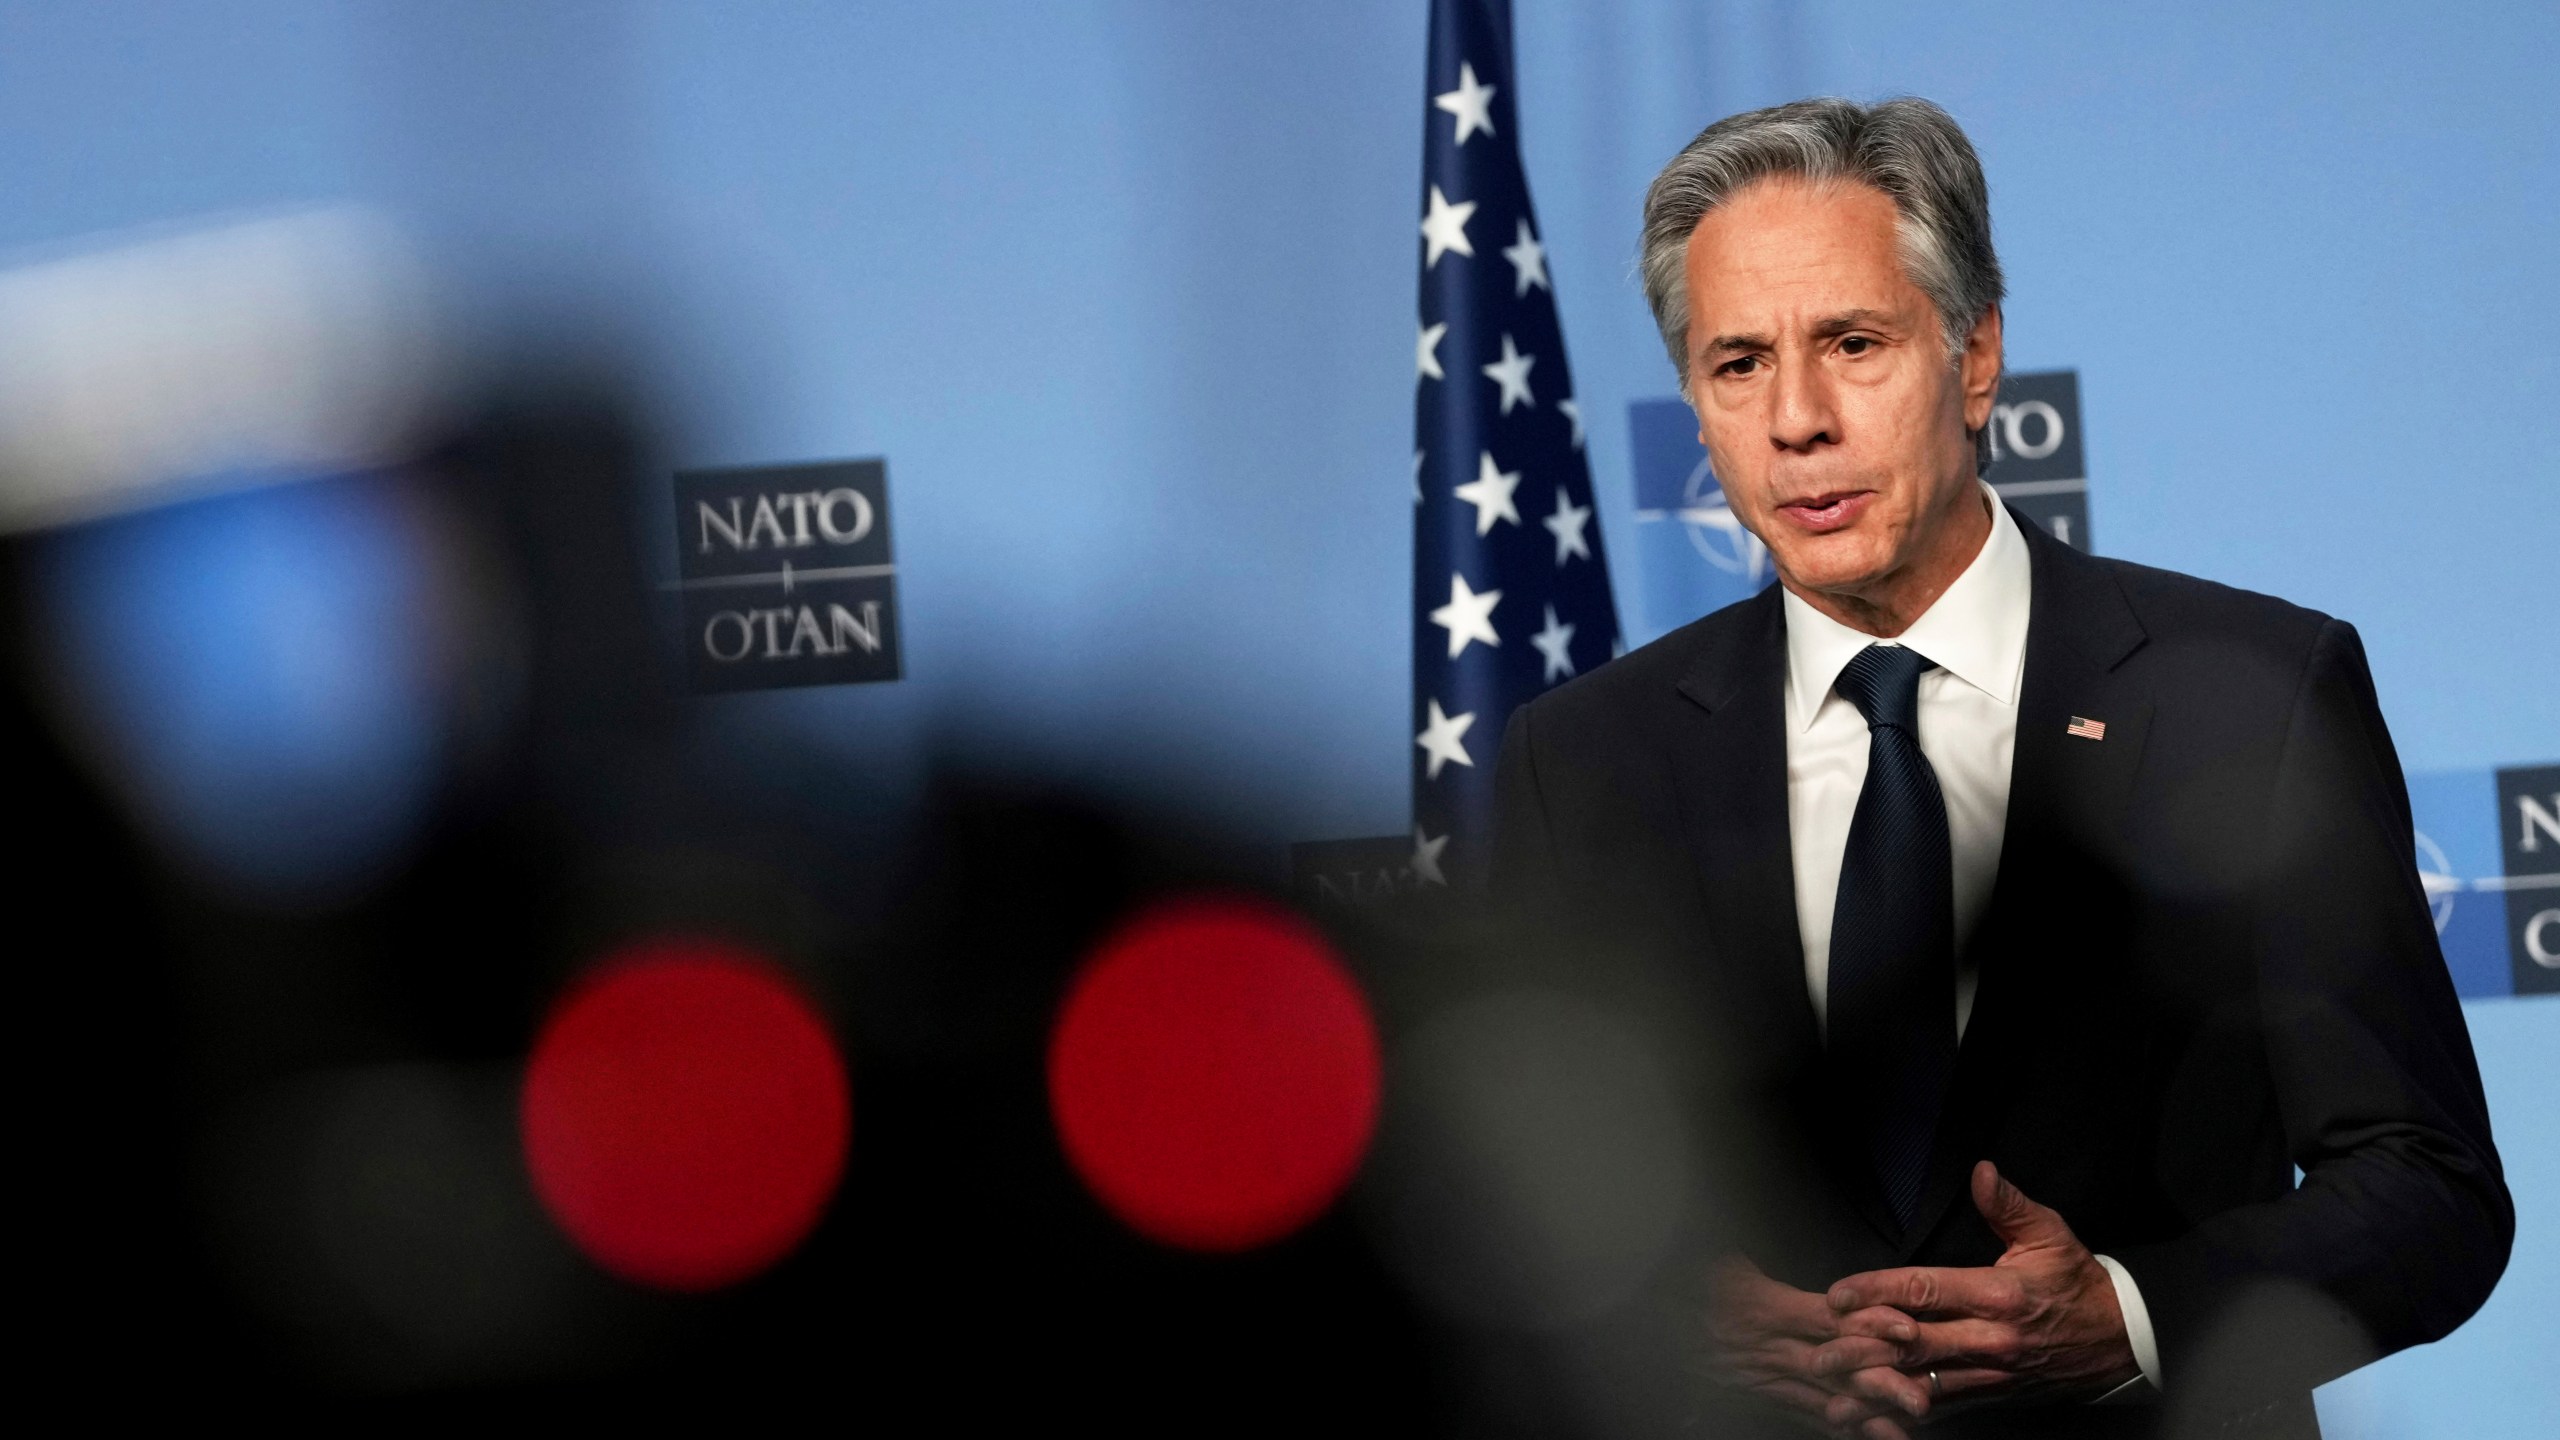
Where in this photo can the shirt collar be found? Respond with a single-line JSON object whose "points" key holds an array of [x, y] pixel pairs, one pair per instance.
{"points": [[1976, 631]]}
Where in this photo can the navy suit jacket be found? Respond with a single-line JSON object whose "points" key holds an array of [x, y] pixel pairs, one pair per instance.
{"points": [[2206, 961]]}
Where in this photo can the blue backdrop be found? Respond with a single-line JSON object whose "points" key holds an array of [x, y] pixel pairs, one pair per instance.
{"points": [[1124, 292]]}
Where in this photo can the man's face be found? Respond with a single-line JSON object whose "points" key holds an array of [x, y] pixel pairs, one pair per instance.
{"points": [[1824, 393]]}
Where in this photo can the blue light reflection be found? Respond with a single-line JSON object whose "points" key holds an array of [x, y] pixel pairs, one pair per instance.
{"points": [[258, 672]]}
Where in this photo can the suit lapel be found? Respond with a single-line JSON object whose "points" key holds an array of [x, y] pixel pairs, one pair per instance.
{"points": [[2067, 797], [1729, 749], [2070, 789], [1729, 762]]}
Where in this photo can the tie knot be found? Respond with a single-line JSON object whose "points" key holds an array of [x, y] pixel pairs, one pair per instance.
{"points": [[1883, 681]]}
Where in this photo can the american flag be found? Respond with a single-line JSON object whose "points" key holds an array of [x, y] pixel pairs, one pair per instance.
{"points": [[2086, 729], [1510, 585]]}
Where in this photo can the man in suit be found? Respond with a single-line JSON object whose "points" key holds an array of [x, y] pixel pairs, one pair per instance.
{"points": [[2053, 910]]}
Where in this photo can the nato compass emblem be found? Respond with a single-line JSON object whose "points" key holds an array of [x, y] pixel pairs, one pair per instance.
{"points": [[2436, 877], [1715, 532], [2486, 843], [1692, 553]]}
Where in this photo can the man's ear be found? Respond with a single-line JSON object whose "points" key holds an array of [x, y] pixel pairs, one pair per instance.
{"points": [[1981, 367]]}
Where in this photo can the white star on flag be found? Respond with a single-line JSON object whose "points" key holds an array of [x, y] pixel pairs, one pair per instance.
{"points": [[1511, 372], [1467, 616], [1566, 525], [1490, 493], [1426, 858], [1470, 102], [1504, 573], [1445, 228], [1528, 262], [1443, 739], [1555, 643]]}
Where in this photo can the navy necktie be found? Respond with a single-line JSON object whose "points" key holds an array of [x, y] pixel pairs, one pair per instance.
{"points": [[1892, 994]]}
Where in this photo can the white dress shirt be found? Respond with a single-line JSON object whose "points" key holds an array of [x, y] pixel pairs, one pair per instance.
{"points": [[1977, 634]]}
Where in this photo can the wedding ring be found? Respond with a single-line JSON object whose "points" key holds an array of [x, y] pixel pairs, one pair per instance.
{"points": [[1935, 1389]]}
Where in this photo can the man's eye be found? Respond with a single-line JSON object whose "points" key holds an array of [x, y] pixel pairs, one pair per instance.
{"points": [[1740, 365], [1856, 345]]}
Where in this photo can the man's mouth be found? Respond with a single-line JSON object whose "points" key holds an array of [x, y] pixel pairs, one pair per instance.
{"points": [[1827, 511]]}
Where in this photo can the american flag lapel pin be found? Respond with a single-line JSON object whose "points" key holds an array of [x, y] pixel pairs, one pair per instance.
{"points": [[2085, 728]]}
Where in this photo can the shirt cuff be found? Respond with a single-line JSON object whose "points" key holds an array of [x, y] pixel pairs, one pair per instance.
{"points": [[2137, 1331]]}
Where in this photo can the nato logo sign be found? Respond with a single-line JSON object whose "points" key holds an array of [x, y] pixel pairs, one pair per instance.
{"points": [[1693, 556], [2529, 803], [787, 576], [2488, 847], [2036, 461], [1341, 876]]}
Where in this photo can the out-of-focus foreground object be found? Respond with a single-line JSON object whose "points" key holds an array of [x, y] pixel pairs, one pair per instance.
{"points": [[157, 365], [1215, 1074], [685, 1115]]}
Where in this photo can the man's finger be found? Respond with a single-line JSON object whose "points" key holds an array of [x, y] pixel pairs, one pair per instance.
{"points": [[1856, 1352], [1851, 1413], [1929, 1289], [1780, 1359], [1801, 1314], [1889, 1389], [1797, 1395], [1969, 1380], [2017, 1220], [1785, 1356], [1748, 1304], [1814, 1404], [1877, 1322], [1991, 1343]]}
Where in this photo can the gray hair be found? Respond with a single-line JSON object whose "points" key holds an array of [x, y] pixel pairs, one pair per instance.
{"points": [[1907, 148]]}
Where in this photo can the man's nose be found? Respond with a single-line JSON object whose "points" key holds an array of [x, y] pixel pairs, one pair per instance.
{"points": [[1801, 413]]}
